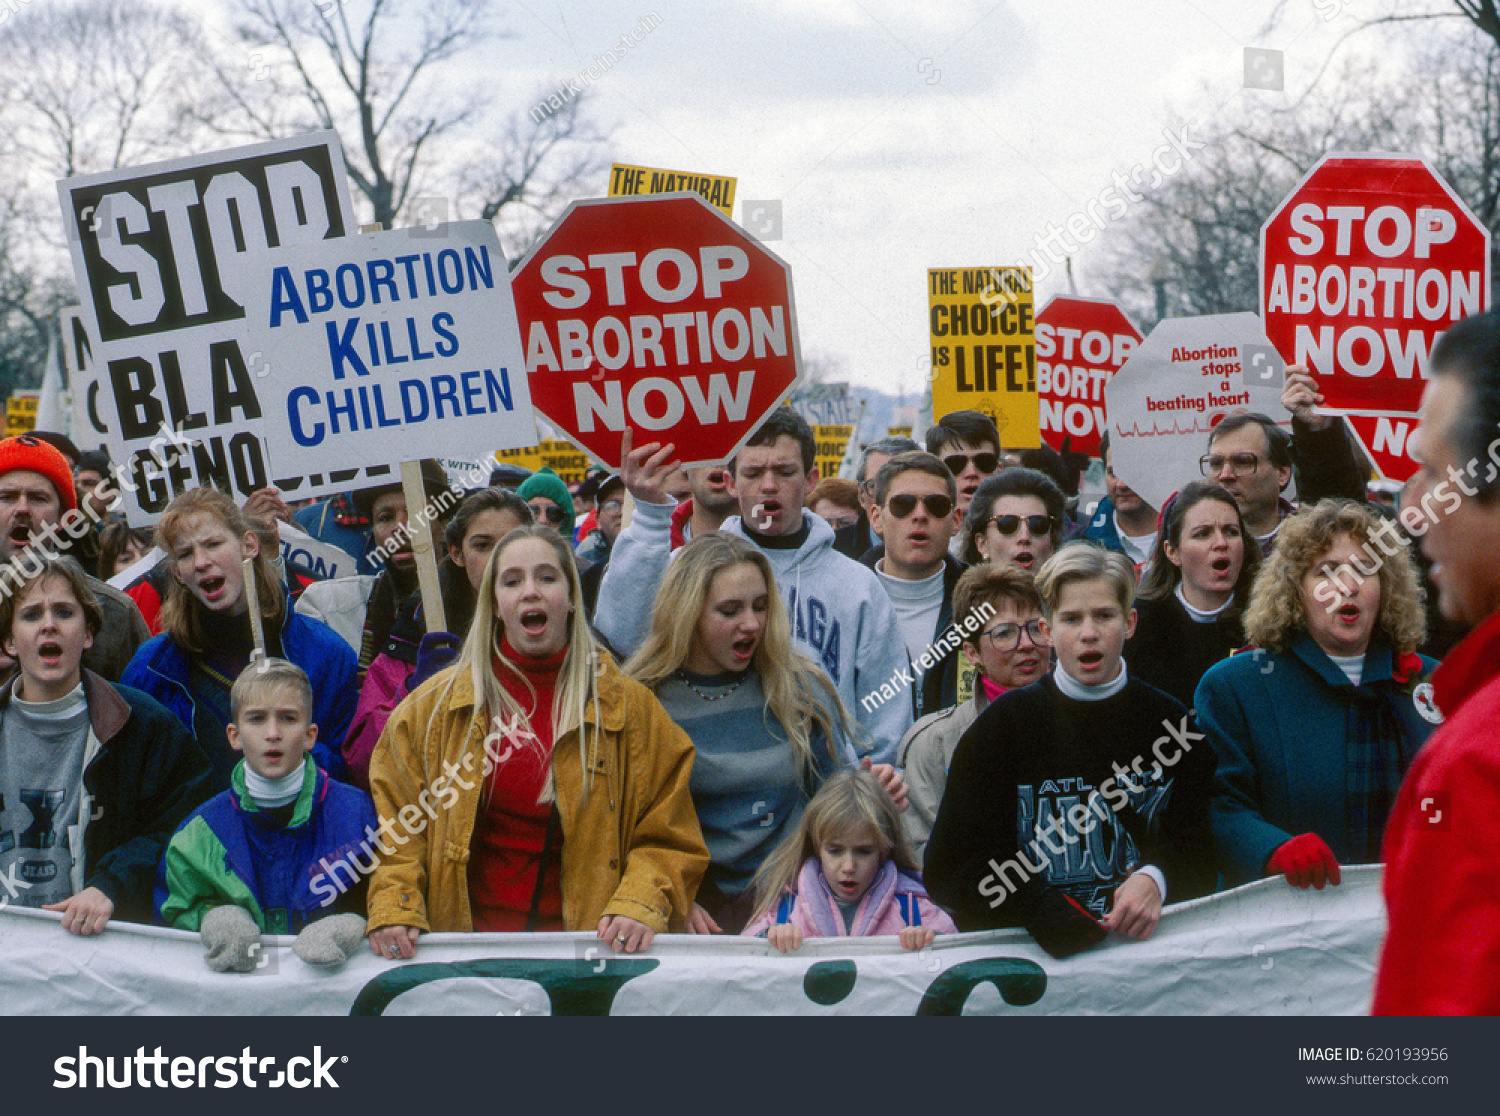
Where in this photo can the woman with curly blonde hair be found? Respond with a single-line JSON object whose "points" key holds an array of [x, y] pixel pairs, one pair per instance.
{"points": [[1315, 729]]}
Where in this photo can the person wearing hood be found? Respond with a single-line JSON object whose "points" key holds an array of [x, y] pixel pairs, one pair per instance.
{"points": [[550, 502], [840, 614]]}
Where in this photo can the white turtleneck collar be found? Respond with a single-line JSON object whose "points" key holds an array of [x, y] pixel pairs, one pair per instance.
{"points": [[1069, 686], [1197, 614], [275, 792]]}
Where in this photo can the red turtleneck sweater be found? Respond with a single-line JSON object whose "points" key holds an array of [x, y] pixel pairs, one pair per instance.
{"points": [[510, 829]]}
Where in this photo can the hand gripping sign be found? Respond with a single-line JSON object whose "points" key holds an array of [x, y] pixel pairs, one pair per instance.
{"points": [[1367, 260], [660, 314]]}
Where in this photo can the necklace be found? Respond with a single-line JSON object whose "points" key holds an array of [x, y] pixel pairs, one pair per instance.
{"points": [[683, 678]]}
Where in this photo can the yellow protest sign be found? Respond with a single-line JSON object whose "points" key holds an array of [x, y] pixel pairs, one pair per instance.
{"points": [[898, 431], [984, 348], [561, 456], [20, 413], [628, 181], [832, 444]]}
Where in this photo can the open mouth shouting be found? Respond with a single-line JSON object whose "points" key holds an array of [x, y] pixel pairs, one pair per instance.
{"points": [[1023, 558], [50, 653], [1090, 661], [212, 589], [1348, 614], [534, 621], [743, 649]]}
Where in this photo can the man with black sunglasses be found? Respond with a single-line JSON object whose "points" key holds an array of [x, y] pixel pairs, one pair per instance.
{"points": [[914, 513], [969, 445]]}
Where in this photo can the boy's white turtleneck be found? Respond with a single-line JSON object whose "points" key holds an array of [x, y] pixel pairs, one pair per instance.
{"points": [[275, 792], [1069, 686]]}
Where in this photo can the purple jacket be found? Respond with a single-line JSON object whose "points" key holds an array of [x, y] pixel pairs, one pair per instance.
{"points": [[384, 688], [884, 909]]}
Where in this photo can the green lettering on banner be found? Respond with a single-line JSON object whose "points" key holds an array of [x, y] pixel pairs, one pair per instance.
{"points": [[829, 982], [1018, 981], [579, 987]]}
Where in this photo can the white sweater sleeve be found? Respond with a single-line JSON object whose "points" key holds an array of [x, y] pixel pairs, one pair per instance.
{"points": [[881, 659], [636, 566]]}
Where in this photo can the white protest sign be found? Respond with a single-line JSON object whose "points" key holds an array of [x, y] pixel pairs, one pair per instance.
{"points": [[386, 347], [1176, 386], [321, 559], [90, 430], [159, 255], [1263, 949], [827, 405]]}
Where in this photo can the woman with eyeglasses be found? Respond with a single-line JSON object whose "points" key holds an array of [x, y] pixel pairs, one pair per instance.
{"points": [[550, 502], [1011, 650], [766, 723], [1194, 592], [1016, 517]]}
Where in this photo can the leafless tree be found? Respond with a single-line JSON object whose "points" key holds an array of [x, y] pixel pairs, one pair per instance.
{"points": [[1199, 233], [380, 73]]}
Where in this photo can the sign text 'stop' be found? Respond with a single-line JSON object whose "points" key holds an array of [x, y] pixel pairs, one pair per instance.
{"points": [[660, 314]]}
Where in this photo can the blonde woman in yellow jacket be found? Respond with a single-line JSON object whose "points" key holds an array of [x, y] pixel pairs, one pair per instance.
{"points": [[491, 820]]}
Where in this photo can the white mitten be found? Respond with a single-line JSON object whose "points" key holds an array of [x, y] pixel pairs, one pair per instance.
{"points": [[331, 940], [229, 935]]}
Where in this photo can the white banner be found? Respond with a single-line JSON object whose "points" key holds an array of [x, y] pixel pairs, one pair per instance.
{"points": [[1263, 949]]}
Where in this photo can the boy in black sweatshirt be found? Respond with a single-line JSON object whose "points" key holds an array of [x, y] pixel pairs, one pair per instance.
{"points": [[1075, 805]]}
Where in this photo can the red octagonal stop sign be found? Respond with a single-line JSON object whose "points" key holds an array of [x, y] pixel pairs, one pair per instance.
{"points": [[657, 313], [1362, 266], [1080, 344]]}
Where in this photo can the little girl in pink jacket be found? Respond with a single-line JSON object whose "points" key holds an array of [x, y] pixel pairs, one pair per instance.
{"points": [[846, 871]]}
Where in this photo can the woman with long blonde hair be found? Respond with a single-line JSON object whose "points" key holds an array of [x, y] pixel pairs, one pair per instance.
{"points": [[766, 722], [207, 637], [1315, 729], [532, 786]]}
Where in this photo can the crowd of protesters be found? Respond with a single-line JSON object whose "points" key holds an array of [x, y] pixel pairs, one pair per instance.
{"points": [[749, 699]]}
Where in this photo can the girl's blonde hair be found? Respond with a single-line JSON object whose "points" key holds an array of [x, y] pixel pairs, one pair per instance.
{"points": [[799, 695], [1277, 612], [849, 801], [182, 614], [576, 683]]}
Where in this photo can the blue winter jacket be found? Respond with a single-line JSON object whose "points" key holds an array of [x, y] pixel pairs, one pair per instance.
{"points": [[160, 668], [229, 851], [1278, 723]]}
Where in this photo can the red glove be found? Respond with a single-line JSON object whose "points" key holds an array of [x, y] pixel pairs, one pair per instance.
{"points": [[1305, 861]]}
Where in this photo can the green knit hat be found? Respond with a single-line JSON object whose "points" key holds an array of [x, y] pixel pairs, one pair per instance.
{"points": [[544, 482]]}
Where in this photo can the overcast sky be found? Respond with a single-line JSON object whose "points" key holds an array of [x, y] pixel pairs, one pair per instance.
{"points": [[902, 136]]}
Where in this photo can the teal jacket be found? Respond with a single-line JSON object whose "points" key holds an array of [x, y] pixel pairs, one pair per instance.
{"points": [[230, 852], [1279, 723]]}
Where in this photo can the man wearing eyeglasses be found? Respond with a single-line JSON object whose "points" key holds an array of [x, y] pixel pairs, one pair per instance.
{"points": [[969, 445], [914, 513], [1253, 457]]}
